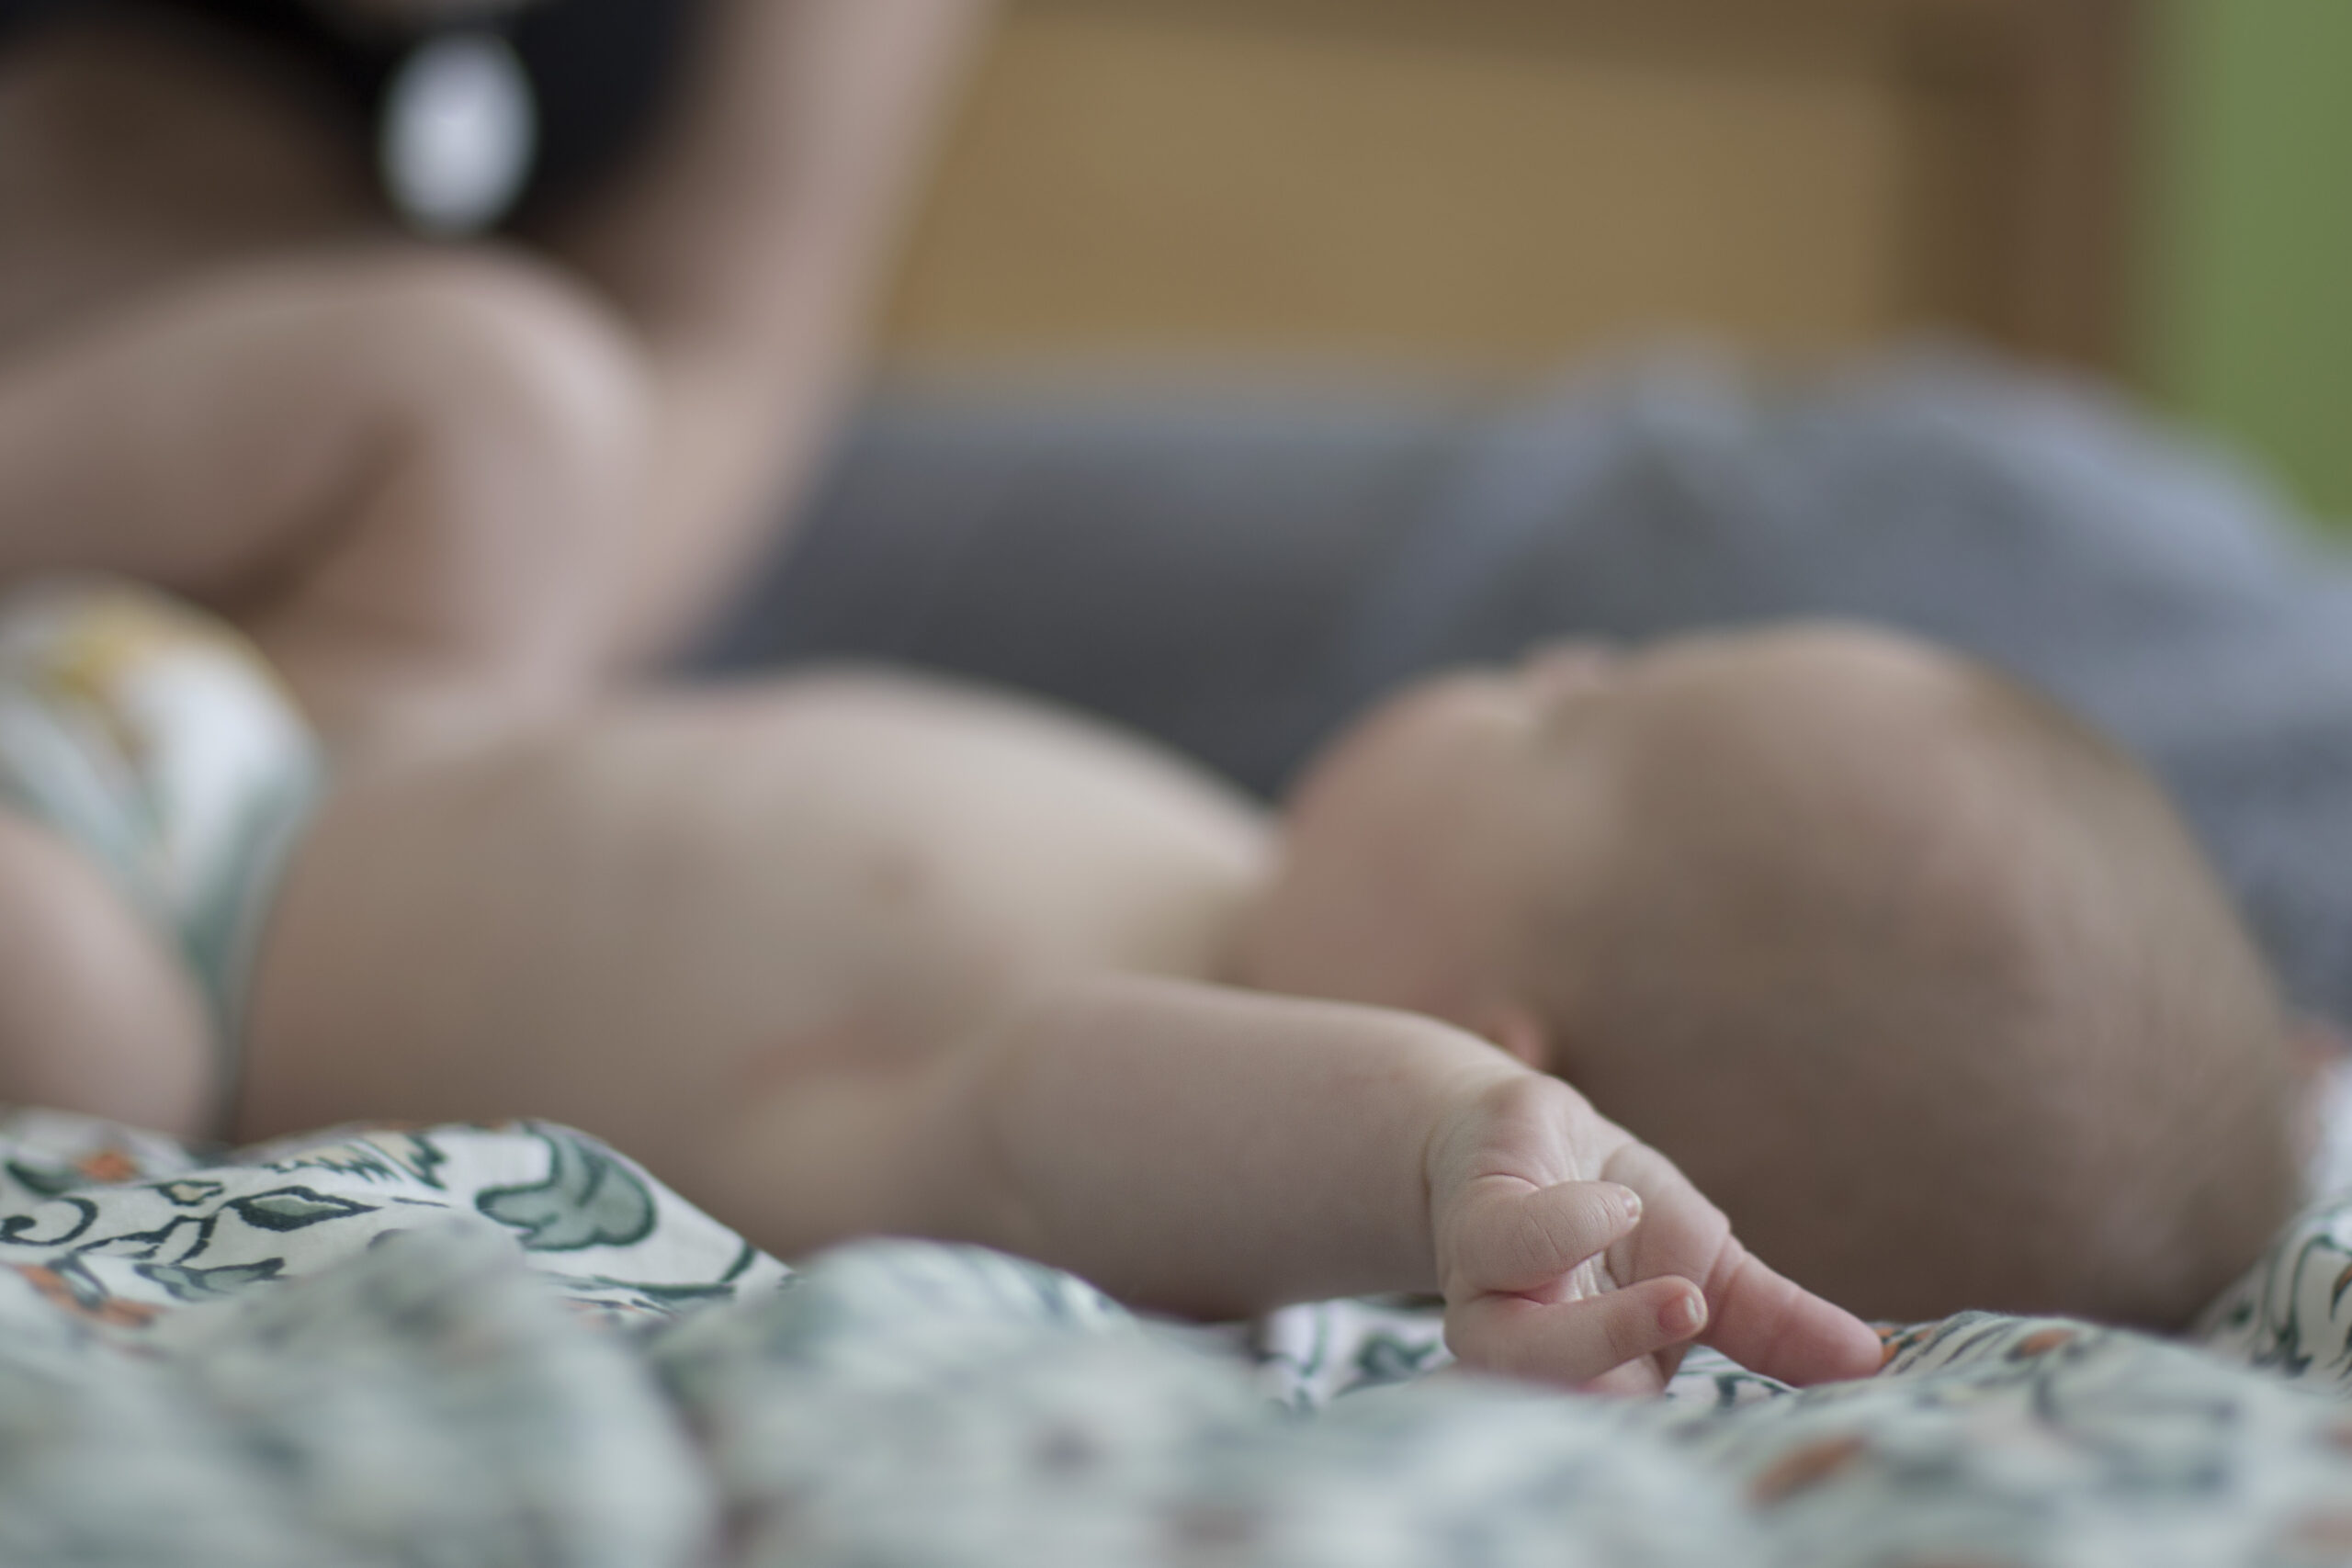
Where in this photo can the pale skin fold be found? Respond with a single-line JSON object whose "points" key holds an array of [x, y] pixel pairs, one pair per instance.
{"points": [[836, 957]]}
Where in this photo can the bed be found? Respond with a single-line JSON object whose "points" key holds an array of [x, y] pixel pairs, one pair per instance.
{"points": [[511, 1344]]}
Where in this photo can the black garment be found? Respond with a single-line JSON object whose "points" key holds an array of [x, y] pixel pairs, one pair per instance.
{"points": [[16, 15], [599, 70]]}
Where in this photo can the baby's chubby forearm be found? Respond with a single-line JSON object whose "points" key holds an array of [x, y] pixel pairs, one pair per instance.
{"points": [[1190, 1148], [1208, 1152]]}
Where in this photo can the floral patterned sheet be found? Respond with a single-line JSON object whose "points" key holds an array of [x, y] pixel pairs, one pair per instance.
{"points": [[471, 1346]]}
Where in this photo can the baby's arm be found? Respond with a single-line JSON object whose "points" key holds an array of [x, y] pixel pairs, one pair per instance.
{"points": [[1217, 1153]]}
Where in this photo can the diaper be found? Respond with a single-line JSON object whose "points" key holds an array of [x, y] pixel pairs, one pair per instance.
{"points": [[2328, 1172], [155, 739]]}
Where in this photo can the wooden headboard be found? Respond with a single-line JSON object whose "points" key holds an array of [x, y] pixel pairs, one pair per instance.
{"points": [[1501, 185]]}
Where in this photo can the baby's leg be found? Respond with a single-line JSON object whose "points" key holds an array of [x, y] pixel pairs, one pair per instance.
{"points": [[95, 1015], [403, 473]]}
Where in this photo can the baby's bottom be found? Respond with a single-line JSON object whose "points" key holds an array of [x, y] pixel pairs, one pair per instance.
{"points": [[404, 474], [96, 1015]]}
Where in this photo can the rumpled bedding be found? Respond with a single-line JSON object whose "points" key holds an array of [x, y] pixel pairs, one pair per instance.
{"points": [[509, 1346]]}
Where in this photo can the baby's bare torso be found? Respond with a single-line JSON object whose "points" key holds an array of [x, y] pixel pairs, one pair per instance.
{"points": [[633, 921]]}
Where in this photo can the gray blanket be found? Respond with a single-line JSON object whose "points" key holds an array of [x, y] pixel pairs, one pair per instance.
{"points": [[1237, 574]]}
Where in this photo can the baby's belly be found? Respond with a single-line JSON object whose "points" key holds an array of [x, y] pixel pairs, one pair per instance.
{"points": [[638, 926]]}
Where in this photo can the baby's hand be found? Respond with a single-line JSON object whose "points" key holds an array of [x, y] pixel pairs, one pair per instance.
{"points": [[1532, 1191]]}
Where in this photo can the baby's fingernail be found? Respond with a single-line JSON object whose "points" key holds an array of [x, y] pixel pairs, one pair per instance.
{"points": [[1684, 1315], [1629, 1201]]}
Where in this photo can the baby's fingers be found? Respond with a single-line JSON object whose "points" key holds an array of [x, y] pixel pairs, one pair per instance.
{"points": [[1773, 1326], [1764, 1322], [1512, 1237], [1573, 1342]]}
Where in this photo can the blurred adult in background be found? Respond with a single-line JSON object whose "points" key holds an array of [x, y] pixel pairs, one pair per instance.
{"points": [[327, 312]]}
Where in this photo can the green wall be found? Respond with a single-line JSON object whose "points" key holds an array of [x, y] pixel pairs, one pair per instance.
{"points": [[2249, 312]]}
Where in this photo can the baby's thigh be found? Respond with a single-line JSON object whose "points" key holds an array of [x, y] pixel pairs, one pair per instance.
{"points": [[215, 435], [383, 462], [95, 1016]]}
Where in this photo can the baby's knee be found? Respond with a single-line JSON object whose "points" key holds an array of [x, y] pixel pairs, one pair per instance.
{"points": [[484, 351], [497, 424]]}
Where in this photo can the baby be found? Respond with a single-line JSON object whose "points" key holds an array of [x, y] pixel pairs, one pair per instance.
{"points": [[776, 944], [1926, 981], [1921, 981]]}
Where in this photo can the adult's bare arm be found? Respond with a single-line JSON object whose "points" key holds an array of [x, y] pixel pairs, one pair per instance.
{"points": [[746, 247]]}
